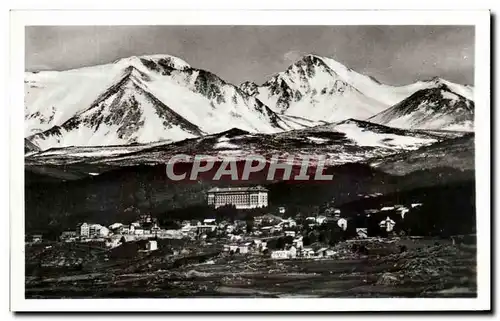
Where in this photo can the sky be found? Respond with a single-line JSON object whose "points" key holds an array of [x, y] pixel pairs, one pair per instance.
{"points": [[395, 55]]}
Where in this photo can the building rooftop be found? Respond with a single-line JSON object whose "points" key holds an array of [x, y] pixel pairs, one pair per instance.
{"points": [[238, 189]]}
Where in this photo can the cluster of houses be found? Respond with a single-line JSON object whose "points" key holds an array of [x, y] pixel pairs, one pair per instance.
{"points": [[258, 246], [240, 240], [194, 228], [145, 227], [269, 227], [401, 209], [292, 252]]}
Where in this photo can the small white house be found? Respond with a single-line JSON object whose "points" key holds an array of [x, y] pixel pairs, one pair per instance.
{"points": [[115, 226], [209, 221], [151, 246], [268, 229], [284, 254], [321, 219], [298, 243], [236, 248], [330, 253], [387, 224], [362, 232], [124, 230], [307, 252], [403, 210], [290, 233], [189, 228], [342, 223], [279, 255], [84, 229], [234, 238], [113, 241], [243, 249], [321, 252], [288, 223], [102, 231]]}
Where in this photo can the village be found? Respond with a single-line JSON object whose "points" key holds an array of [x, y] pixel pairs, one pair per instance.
{"points": [[262, 251], [277, 235]]}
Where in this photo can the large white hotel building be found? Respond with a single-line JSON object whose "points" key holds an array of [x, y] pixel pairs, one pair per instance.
{"points": [[241, 197]]}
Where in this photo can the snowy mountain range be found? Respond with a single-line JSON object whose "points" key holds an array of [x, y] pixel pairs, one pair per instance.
{"points": [[162, 98], [347, 141], [138, 100], [437, 107], [321, 88]]}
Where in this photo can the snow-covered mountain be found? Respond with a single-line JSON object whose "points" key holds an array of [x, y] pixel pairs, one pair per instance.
{"points": [[249, 87], [342, 142], [432, 108], [138, 100], [320, 88], [162, 98], [313, 89], [29, 147]]}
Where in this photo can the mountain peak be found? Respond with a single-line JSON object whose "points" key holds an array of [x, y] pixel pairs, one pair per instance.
{"points": [[329, 62], [321, 88], [233, 132], [249, 87], [163, 60], [435, 107], [434, 79]]}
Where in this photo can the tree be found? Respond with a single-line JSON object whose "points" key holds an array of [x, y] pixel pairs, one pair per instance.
{"points": [[250, 223], [280, 243], [306, 240], [211, 234], [313, 238], [324, 236], [350, 232], [335, 235], [288, 239]]}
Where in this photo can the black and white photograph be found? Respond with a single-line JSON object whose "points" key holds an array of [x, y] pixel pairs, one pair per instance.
{"points": [[254, 161]]}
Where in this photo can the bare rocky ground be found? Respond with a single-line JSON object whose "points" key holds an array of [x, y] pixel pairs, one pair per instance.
{"points": [[427, 268]]}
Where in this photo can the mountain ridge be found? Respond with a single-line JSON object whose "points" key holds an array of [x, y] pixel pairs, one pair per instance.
{"points": [[197, 102], [313, 77], [430, 108], [199, 99]]}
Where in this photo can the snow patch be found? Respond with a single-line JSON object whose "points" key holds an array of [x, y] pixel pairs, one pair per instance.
{"points": [[226, 145], [364, 137], [318, 140]]}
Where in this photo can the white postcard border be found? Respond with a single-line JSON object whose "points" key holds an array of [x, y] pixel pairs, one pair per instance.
{"points": [[481, 20]]}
